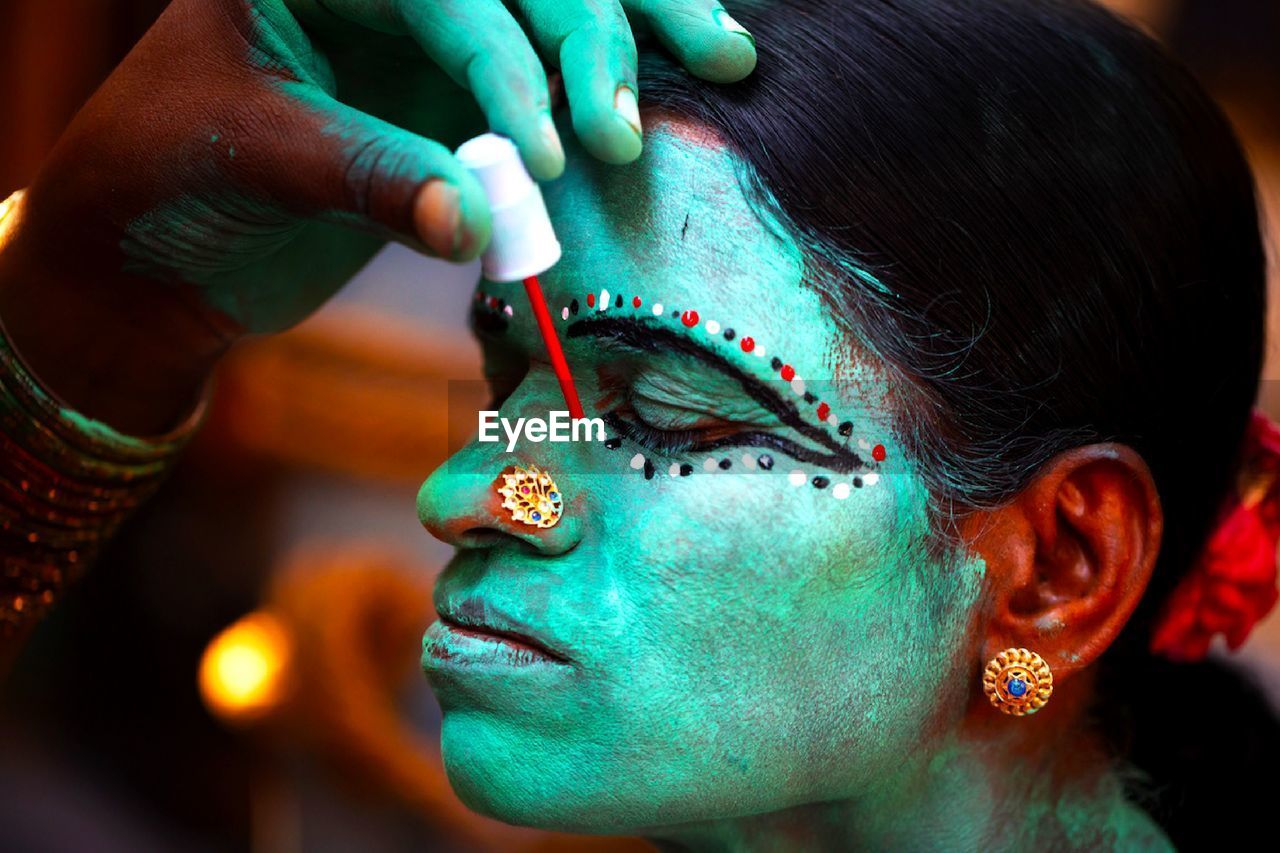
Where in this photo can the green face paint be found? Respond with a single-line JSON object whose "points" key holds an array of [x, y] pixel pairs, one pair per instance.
{"points": [[738, 642]]}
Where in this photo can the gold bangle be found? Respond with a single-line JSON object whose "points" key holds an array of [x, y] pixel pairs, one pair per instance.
{"points": [[67, 482]]}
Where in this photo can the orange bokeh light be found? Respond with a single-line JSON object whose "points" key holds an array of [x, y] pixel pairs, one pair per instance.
{"points": [[244, 670]]}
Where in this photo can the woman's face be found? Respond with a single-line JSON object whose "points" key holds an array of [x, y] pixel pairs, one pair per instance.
{"points": [[729, 640]]}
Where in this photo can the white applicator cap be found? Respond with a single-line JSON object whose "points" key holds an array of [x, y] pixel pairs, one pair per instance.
{"points": [[523, 242]]}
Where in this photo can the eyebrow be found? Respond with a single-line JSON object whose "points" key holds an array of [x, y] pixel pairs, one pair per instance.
{"points": [[644, 336]]}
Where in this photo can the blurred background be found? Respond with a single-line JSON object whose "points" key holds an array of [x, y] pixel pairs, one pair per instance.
{"points": [[240, 670]]}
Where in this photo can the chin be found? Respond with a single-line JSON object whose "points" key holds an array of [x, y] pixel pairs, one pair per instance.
{"points": [[509, 773], [583, 782]]}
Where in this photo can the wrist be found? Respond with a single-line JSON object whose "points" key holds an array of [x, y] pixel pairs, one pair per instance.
{"points": [[131, 352]]}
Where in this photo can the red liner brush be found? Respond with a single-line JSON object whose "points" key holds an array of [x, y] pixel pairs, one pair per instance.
{"points": [[523, 243]]}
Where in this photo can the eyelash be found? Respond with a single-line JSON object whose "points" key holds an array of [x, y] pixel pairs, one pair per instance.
{"points": [[665, 441], [676, 442]]}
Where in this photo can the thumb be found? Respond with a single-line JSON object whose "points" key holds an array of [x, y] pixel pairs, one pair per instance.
{"points": [[341, 165]]}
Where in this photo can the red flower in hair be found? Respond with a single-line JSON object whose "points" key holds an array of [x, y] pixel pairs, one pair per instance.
{"points": [[1233, 585]]}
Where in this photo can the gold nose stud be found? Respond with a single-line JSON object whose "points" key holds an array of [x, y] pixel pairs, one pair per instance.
{"points": [[530, 496]]}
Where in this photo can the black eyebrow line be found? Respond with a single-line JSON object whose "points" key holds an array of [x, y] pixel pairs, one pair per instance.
{"points": [[646, 337]]}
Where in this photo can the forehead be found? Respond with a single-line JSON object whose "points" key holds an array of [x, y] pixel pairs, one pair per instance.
{"points": [[677, 210], [676, 229]]}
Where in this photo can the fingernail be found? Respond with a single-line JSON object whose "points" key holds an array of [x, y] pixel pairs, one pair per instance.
{"points": [[547, 127], [438, 218], [727, 23], [624, 102]]}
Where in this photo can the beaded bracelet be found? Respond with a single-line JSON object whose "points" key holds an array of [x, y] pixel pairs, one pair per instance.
{"points": [[66, 484]]}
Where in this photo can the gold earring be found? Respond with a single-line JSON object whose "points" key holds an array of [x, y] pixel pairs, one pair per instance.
{"points": [[1018, 682], [531, 496]]}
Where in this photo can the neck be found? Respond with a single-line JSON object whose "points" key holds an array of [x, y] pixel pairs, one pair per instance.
{"points": [[1002, 784]]}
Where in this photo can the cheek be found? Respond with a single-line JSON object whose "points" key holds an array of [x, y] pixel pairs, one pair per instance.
{"points": [[726, 550], [768, 628]]}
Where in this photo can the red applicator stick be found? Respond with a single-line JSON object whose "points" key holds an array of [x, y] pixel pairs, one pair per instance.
{"points": [[522, 244], [549, 337]]}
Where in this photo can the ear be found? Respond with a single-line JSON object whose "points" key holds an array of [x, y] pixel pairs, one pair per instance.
{"points": [[1070, 557]]}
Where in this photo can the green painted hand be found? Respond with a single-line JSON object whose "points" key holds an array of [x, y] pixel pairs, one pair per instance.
{"points": [[249, 156]]}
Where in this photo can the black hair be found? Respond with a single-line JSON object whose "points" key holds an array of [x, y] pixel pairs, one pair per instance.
{"points": [[1042, 224]]}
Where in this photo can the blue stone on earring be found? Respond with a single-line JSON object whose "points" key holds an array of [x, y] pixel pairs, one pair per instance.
{"points": [[1017, 687]]}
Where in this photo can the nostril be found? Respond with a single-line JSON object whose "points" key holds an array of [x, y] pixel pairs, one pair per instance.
{"points": [[481, 537]]}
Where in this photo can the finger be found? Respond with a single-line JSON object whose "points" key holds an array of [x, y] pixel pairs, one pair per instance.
{"points": [[596, 52], [480, 45], [701, 35], [329, 161]]}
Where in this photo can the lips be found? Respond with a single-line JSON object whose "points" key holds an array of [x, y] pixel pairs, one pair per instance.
{"points": [[474, 618]]}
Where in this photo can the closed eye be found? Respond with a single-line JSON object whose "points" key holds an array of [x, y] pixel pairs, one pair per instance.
{"points": [[684, 441], [700, 432]]}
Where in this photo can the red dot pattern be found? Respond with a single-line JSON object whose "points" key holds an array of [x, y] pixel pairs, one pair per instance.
{"points": [[877, 453], [635, 302], [689, 318], [824, 411], [788, 372], [591, 300], [748, 344]]}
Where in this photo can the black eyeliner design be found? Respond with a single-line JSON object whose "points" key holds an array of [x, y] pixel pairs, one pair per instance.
{"points": [[646, 337]]}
